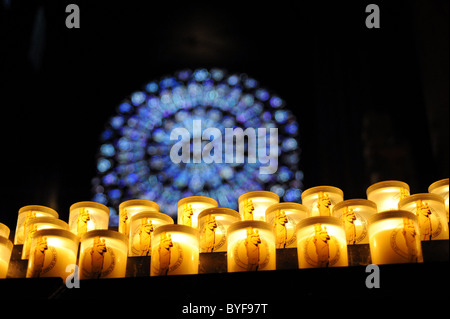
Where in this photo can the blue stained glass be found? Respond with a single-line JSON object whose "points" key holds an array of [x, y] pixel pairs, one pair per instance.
{"points": [[281, 116], [134, 157], [107, 150], [152, 87], [293, 195], [103, 165], [261, 94], [125, 107], [276, 102], [291, 128], [138, 98], [233, 80]]}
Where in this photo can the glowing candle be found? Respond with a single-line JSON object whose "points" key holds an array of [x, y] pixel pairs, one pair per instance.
{"points": [[6, 247], [87, 216], [321, 242], [175, 251], [131, 207], [4, 231], [190, 207], [394, 238], [27, 212], [251, 246], [431, 215], [253, 205], [38, 223], [387, 194], [142, 226], [212, 225], [284, 217], [354, 214], [51, 251], [103, 254], [320, 200], [441, 188]]}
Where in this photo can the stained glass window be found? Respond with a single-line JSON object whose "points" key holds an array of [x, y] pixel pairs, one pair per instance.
{"points": [[133, 158]]}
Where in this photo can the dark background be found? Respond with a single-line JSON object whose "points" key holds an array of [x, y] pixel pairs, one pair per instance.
{"points": [[372, 104]]}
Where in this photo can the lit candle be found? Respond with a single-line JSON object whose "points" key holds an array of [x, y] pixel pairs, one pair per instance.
{"points": [[251, 246], [4, 231], [131, 207], [253, 205], [394, 238], [212, 225], [38, 223], [441, 188], [431, 215], [175, 251], [284, 217], [190, 207], [321, 242], [87, 216], [354, 214], [320, 200], [27, 212], [6, 247], [103, 254], [142, 226], [387, 194], [51, 251]]}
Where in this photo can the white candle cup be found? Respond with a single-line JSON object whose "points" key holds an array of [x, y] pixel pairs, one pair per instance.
{"points": [[51, 251], [253, 205], [131, 207], [190, 207], [25, 214], [320, 200], [103, 254], [87, 216], [441, 188], [354, 213], [387, 194], [212, 226], [142, 227], [175, 251], [394, 238], [38, 223], [321, 242], [251, 246], [431, 215], [284, 217], [6, 247], [4, 231]]}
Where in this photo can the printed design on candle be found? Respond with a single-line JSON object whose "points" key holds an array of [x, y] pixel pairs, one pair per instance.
{"points": [[321, 249], [249, 207], [211, 241], [99, 261], [323, 204], [187, 214], [142, 238], [429, 222], [82, 221], [284, 236], [349, 218], [169, 255], [44, 257], [403, 241], [123, 217], [280, 228], [31, 214], [251, 253]]}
